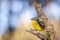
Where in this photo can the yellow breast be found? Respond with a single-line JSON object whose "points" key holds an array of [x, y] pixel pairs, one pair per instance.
{"points": [[37, 26]]}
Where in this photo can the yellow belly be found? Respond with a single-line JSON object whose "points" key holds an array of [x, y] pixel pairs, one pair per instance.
{"points": [[37, 26]]}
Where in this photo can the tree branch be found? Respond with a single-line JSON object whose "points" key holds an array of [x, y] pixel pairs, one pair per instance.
{"points": [[36, 33]]}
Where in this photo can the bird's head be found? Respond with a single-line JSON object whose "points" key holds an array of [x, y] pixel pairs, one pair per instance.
{"points": [[35, 18]]}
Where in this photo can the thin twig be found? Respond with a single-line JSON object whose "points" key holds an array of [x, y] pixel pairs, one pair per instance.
{"points": [[39, 35]]}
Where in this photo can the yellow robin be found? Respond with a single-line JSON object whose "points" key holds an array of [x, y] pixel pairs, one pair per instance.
{"points": [[37, 24]]}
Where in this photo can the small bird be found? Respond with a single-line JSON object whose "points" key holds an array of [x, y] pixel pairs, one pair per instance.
{"points": [[37, 24]]}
